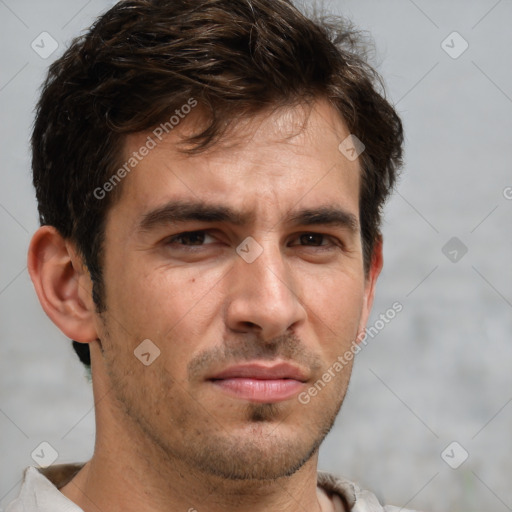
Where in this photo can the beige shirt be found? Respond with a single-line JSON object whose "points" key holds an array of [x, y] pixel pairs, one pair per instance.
{"points": [[40, 493]]}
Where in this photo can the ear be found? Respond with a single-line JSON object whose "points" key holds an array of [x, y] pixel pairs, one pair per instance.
{"points": [[62, 284], [370, 283]]}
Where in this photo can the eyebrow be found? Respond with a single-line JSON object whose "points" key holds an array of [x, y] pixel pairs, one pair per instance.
{"points": [[186, 211], [325, 216]]}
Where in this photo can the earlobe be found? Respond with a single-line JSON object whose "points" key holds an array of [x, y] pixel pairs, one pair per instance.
{"points": [[62, 284]]}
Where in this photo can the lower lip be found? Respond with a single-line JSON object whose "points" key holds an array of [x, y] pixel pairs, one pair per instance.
{"points": [[260, 390]]}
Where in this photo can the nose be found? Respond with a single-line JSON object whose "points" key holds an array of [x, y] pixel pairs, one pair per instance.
{"points": [[264, 296]]}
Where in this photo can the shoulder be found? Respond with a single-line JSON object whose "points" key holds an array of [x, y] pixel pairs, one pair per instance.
{"points": [[353, 497]]}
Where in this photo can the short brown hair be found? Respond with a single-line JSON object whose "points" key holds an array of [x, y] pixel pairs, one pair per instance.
{"points": [[143, 59]]}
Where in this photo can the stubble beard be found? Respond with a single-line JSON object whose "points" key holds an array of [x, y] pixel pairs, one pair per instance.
{"points": [[170, 429], [264, 450]]}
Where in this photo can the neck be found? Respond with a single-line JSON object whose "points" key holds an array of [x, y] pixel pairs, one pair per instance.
{"points": [[103, 485]]}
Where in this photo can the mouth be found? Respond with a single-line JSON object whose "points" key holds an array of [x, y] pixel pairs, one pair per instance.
{"points": [[260, 383]]}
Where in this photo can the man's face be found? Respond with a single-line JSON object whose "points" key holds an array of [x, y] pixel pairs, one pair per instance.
{"points": [[294, 293]]}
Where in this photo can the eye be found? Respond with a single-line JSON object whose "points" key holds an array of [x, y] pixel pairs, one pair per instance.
{"points": [[189, 238], [312, 239], [317, 240]]}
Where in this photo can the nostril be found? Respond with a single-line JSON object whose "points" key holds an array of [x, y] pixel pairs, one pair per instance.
{"points": [[244, 327], [248, 327]]}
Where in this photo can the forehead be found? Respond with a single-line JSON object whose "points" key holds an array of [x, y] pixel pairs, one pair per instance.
{"points": [[269, 162]]}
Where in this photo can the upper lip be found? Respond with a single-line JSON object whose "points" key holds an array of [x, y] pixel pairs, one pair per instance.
{"points": [[262, 371]]}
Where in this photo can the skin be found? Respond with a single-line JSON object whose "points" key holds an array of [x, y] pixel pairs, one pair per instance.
{"points": [[167, 437]]}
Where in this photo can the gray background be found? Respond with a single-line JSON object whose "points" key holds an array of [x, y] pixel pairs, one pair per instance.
{"points": [[439, 372]]}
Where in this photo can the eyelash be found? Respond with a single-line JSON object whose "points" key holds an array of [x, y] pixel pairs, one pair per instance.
{"points": [[334, 241]]}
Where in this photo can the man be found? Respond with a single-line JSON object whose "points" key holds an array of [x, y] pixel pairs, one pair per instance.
{"points": [[210, 176]]}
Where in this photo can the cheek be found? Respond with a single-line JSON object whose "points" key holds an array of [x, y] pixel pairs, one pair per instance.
{"points": [[162, 295], [334, 306], [173, 307], [336, 297]]}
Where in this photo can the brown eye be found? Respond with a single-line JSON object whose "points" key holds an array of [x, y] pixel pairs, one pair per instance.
{"points": [[190, 239], [312, 239]]}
